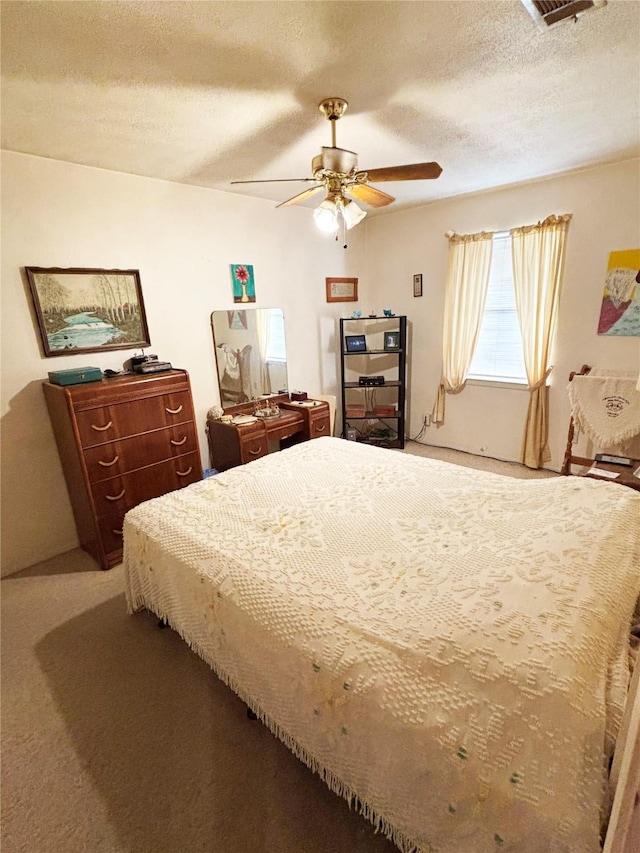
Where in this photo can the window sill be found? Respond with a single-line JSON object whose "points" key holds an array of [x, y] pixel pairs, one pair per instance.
{"points": [[499, 383]]}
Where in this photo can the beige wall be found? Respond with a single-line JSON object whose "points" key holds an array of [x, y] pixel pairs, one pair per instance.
{"points": [[605, 203], [182, 239]]}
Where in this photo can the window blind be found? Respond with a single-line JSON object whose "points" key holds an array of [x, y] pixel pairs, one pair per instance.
{"points": [[276, 350], [498, 355]]}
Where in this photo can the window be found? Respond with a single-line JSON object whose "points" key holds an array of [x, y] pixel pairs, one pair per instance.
{"points": [[275, 343], [498, 356]]}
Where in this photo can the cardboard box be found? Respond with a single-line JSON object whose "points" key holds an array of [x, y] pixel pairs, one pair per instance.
{"points": [[385, 411]]}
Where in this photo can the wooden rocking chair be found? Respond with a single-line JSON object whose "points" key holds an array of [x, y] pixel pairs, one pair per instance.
{"points": [[626, 475]]}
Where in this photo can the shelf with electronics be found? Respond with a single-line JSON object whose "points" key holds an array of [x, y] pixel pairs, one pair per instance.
{"points": [[373, 366]]}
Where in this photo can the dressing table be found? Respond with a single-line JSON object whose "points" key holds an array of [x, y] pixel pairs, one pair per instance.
{"points": [[232, 444], [251, 361]]}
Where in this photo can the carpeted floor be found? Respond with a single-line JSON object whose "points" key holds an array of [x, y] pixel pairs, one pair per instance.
{"points": [[482, 463], [117, 738]]}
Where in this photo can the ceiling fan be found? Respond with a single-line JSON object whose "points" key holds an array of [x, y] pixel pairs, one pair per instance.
{"points": [[335, 172]]}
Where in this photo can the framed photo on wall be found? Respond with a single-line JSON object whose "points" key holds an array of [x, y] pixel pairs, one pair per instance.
{"points": [[88, 310], [417, 285], [342, 289]]}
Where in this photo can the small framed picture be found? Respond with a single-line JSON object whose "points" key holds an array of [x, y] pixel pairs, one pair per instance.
{"points": [[342, 289], [355, 343], [417, 285], [391, 340]]}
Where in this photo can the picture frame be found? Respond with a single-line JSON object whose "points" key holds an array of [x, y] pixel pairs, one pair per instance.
{"points": [[392, 341], [243, 283], [81, 309], [342, 289], [237, 319], [355, 343], [417, 285]]}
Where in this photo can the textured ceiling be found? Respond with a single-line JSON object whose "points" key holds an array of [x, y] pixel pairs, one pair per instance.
{"points": [[204, 93]]}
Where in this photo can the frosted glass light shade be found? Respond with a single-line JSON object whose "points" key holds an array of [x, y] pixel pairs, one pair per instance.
{"points": [[352, 213], [326, 216]]}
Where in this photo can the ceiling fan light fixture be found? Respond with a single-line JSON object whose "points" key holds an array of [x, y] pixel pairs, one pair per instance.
{"points": [[351, 213], [326, 216], [335, 172]]}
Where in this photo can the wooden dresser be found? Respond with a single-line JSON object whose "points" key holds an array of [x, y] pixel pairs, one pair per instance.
{"points": [[122, 441], [235, 444]]}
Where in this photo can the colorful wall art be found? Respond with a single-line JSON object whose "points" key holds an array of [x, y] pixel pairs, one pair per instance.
{"points": [[620, 312], [244, 289]]}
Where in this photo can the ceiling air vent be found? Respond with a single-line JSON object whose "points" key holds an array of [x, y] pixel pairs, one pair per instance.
{"points": [[548, 13]]}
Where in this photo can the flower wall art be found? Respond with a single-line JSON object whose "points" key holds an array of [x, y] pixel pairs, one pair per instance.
{"points": [[244, 289]]}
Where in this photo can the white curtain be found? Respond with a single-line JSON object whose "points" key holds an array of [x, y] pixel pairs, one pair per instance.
{"points": [[538, 253], [264, 332], [465, 297]]}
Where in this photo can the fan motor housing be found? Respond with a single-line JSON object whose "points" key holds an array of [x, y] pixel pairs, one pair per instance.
{"points": [[335, 160]]}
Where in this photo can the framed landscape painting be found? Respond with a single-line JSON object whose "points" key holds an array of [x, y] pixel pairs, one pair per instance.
{"points": [[88, 310]]}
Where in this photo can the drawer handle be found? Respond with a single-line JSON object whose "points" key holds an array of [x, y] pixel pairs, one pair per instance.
{"points": [[178, 443], [184, 473], [109, 464], [173, 411], [321, 428], [255, 452], [101, 429], [117, 532], [115, 497]]}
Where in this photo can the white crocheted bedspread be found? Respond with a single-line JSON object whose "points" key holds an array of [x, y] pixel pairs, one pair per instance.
{"points": [[447, 648]]}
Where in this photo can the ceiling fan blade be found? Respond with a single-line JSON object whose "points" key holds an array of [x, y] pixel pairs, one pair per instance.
{"points": [[301, 196], [416, 172], [369, 195], [274, 181]]}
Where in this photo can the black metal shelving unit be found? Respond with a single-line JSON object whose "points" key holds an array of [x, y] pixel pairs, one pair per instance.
{"points": [[367, 408]]}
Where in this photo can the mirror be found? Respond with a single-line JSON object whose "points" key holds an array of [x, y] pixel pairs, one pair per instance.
{"points": [[250, 354]]}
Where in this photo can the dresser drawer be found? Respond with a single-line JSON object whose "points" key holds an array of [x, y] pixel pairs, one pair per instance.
{"points": [[119, 420], [122, 441], [121, 493], [119, 457], [111, 527]]}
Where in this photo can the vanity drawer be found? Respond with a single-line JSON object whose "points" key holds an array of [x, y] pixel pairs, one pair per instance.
{"points": [[118, 457], [279, 432], [121, 493], [119, 420], [319, 426], [253, 446]]}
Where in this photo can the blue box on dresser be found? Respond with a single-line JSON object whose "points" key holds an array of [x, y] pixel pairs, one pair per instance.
{"points": [[75, 375]]}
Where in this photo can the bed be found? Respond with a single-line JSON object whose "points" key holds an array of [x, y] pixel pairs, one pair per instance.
{"points": [[447, 648]]}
